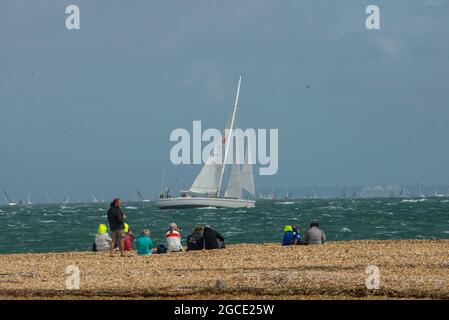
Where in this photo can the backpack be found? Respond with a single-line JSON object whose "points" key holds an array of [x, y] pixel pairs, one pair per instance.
{"points": [[161, 249]]}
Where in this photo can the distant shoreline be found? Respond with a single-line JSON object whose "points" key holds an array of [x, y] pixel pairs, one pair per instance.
{"points": [[409, 269]]}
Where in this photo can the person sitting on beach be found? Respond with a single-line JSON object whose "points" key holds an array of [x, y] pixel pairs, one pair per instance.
{"points": [[173, 237], [102, 239], [314, 236], [195, 241], [212, 239], [289, 237], [116, 219], [297, 235], [145, 244], [128, 238]]}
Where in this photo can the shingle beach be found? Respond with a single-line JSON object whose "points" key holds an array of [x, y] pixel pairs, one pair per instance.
{"points": [[409, 269]]}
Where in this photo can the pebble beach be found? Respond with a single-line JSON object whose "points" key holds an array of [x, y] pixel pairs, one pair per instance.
{"points": [[409, 269]]}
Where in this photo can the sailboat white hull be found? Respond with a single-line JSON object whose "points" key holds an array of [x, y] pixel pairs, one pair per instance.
{"points": [[200, 202]]}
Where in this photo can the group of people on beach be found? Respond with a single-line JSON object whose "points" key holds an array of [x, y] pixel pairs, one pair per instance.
{"points": [[202, 238], [313, 236], [123, 238]]}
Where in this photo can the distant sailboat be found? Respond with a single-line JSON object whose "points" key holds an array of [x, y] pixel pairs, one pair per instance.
{"points": [[141, 197], [94, 198], [436, 194], [343, 192], [10, 202], [207, 190], [29, 200], [420, 192], [47, 197]]}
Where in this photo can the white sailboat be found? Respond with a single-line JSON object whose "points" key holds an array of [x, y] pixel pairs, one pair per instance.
{"points": [[421, 194], [29, 200], [141, 197], [10, 202], [207, 189]]}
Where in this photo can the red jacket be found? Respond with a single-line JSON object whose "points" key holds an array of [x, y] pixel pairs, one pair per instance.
{"points": [[129, 238]]}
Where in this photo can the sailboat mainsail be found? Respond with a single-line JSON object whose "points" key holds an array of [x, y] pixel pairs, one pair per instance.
{"points": [[247, 176], [210, 179], [234, 187]]}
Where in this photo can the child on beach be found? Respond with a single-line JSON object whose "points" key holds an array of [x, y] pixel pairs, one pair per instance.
{"points": [[289, 236], [297, 235], [128, 238], [102, 239], [145, 244], [173, 237]]}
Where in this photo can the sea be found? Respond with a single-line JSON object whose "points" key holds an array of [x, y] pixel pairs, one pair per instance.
{"points": [[72, 227]]}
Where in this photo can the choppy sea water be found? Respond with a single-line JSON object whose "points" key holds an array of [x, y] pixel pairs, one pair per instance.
{"points": [[72, 227]]}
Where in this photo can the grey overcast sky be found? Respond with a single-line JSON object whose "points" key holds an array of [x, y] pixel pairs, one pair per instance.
{"points": [[91, 110]]}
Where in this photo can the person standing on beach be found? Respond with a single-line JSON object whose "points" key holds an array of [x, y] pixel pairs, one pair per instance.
{"points": [[314, 236], [116, 220]]}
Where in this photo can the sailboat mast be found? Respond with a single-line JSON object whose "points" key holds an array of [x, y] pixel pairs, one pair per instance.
{"points": [[163, 179], [230, 135]]}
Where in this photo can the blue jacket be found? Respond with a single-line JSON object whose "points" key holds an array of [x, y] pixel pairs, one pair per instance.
{"points": [[289, 238]]}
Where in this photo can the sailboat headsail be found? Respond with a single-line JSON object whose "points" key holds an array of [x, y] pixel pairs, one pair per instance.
{"points": [[207, 181], [247, 176]]}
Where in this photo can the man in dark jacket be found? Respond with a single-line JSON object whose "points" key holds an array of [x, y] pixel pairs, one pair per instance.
{"points": [[195, 241], [212, 239], [116, 220]]}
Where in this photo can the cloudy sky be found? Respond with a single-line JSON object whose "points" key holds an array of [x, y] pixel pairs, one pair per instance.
{"points": [[91, 110]]}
